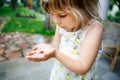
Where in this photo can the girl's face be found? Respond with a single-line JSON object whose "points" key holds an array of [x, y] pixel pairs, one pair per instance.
{"points": [[64, 20]]}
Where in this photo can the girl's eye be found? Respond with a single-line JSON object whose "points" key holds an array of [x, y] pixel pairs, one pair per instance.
{"points": [[59, 15], [62, 16]]}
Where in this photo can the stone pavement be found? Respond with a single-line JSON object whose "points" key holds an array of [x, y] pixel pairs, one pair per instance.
{"points": [[16, 45]]}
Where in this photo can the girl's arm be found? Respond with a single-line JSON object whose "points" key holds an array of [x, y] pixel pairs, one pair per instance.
{"points": [[88, 52], [56, 40]]}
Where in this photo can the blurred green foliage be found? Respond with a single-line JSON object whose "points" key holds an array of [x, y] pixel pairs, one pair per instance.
{"points": [[26, 26], [116, 17], [30, 24]]}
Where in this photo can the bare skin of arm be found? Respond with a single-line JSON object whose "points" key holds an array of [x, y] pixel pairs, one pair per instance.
{"points": [[88, 52], [56, 40]]}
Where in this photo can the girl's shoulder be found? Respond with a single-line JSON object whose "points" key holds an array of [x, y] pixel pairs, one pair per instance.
{"points": [[94, 22]]}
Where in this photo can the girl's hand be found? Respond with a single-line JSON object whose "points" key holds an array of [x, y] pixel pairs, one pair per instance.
{"points": [[41, 52]]}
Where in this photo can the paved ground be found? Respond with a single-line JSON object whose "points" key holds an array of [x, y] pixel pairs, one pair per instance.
{"points": [[21, 69], [104, 73]]}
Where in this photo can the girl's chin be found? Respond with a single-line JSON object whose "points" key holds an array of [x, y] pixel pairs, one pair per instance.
{"points": [[67, 30]]}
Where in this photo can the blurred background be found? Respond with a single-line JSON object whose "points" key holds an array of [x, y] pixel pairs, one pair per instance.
{"points": [[24, 23]]}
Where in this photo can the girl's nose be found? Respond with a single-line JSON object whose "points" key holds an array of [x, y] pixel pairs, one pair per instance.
{"points": [[56, 20]]}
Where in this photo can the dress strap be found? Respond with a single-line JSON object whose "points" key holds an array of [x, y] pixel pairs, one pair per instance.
{"points": [[90, 25]]}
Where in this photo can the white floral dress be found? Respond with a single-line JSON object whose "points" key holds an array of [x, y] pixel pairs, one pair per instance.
{"points": [[70, 45]]}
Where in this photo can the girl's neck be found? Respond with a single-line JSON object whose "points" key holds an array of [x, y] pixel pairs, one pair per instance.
{"points": [[86, 22]]}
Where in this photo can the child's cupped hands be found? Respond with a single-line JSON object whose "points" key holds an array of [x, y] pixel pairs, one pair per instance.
{"points": [[41, 52]]}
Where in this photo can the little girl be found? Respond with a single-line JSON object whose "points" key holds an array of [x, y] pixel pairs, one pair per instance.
{"points": [[77, 39]]}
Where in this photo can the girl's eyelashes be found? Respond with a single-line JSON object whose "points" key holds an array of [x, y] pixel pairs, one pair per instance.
{"points": [[63, 15], [59, 15]]}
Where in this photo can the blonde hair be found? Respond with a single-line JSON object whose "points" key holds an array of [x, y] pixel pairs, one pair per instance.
{"points": [[83, 10]]}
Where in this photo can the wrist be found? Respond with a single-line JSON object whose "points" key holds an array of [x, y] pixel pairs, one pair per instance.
{"points": [[55, 53], [56, 50]]}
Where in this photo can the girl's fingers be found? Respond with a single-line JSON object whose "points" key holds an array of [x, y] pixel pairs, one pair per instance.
{"points": [[36, 57], [31, 53], [39, 53], [37, 47]]}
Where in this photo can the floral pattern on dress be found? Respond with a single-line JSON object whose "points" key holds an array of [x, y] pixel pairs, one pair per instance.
{"points": [[70, 45]]}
